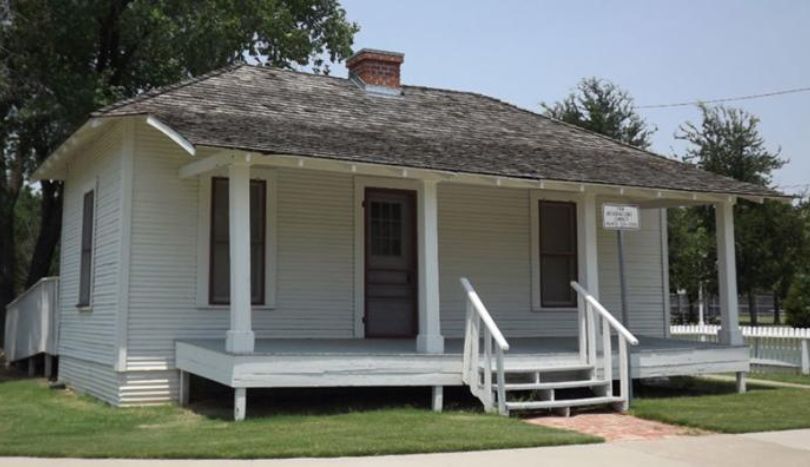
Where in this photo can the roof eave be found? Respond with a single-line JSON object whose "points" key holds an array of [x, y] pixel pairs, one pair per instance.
{"points": [[54, 166], [652, 193]]}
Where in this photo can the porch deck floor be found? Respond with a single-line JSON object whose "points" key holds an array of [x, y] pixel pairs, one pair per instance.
{"points": [[395, 362], [453, 346]]}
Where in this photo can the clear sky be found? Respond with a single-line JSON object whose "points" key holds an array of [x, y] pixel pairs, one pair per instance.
{"points": [[662, 52]]}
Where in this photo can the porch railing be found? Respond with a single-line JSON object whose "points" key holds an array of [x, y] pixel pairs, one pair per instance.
{"points": [[476, 314], [591, 315], [32, 324], [770, 346]]}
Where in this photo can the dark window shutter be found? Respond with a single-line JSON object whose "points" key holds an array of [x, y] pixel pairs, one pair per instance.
{"points": [[86, 261], [558, 253], [220, 263]]}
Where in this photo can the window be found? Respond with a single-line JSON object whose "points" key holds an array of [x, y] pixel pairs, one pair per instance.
{"points": [[557, 253], [220, 264], [86, 261]]}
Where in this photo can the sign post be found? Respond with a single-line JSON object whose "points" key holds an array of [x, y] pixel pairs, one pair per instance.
{"points": [[621, 217]]}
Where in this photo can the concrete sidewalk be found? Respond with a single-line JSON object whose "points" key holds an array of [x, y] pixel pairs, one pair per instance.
{"points": [[773, 449]]}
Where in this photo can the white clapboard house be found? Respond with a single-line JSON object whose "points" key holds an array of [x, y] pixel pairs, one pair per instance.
{"points": [[265, 228]]}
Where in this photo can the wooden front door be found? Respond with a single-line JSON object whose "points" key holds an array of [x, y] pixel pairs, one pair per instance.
{"points": [[391, 258]]}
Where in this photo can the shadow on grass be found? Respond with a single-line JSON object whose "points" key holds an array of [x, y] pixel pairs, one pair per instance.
{"points": [[15, 371], [215, 401], [686, 386]]}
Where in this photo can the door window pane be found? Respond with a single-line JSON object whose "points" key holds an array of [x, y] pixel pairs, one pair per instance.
{"points": [[386, 228]]}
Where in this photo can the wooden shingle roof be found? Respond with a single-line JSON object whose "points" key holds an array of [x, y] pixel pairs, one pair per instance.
{"points": [[275, 111]]}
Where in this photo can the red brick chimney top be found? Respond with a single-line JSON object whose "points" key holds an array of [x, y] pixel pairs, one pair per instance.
{"points": [[376, 68]]}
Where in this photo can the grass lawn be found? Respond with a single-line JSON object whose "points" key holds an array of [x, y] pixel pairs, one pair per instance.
{"points": [[713, 405], [37, 421]]}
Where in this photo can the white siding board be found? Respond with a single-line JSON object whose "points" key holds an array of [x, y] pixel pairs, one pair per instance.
{"points": [[643, 274], [148, 387], [88, 377], [90, 335], [484, 234], [314, 269]]}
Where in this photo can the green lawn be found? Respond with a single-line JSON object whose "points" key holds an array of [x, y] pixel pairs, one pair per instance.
{"points": [[713, 405], [37, 421]]}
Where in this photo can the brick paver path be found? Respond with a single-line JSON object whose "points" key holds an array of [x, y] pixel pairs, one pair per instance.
{"points": [[614, 426]]}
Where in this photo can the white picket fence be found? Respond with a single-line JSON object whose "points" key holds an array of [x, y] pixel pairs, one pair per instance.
{"points": [[771, 346]]}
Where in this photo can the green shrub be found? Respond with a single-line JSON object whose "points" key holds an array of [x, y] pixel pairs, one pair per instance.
{"points": [[797, 304]]}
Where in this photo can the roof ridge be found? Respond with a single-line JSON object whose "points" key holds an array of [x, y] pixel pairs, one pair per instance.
{"points": [[154, 92]]}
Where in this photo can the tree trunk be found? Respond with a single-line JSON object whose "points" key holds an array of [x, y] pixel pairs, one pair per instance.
{"points": [[8, 260], [776, 318], [692, 317], [752, 307], [49, 232]]}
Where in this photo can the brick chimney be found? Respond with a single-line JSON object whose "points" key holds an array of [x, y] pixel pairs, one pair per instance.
{"points": [[376, 70]]}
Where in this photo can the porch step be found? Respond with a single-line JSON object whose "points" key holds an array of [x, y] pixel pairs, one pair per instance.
{"points": [[507, 368], [534, 405], [586, 383]]}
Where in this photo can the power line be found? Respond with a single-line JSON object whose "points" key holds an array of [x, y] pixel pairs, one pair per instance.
{"points": [[798, 187], [726, 99]]}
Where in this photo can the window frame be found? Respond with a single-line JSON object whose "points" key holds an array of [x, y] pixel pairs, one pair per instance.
{"points": [[535, 198], [204, 244], [89, 189]]}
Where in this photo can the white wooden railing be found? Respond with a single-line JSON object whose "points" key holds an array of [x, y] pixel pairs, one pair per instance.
{"points": [[32, 321], [493, 338], [771, 346], [591, 315]]}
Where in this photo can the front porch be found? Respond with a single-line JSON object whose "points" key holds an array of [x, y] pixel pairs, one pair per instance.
{"points": [[285, 363], [537, 250]]}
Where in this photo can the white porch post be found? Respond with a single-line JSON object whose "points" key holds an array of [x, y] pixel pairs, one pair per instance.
{"points": [[430, 339], [240, 338], [589, 258], [727, 272], [588, 263]]}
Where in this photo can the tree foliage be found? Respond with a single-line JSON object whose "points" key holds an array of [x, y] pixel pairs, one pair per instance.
{"points": [[727, 142], [603, 107], [690, 245], [61, 59], [797, 304]]}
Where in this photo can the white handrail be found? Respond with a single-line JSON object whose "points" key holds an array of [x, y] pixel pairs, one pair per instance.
{"points": [[32, 289], [614, 323], [588, 343], [476, 314], [473, 297]]}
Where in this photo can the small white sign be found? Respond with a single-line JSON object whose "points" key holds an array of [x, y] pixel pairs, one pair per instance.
{"points": [[620, 217]]}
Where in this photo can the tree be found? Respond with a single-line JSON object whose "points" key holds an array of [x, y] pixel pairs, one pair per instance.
{"points": [[797, 292], [61, 59], [603, 107], [727, 142], [797, 304], [689, 249], [788, 247]]}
